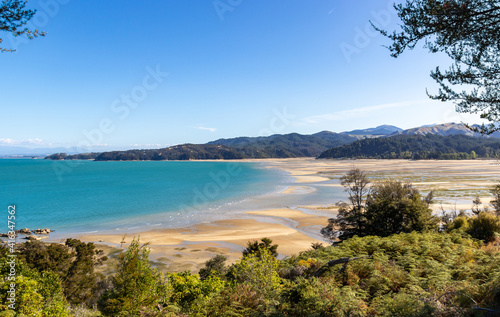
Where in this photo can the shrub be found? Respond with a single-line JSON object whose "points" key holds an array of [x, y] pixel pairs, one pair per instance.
{"points": [[258, 269], [37, 294], [188, 291], [484, 226], [395, 207], [255, 247], [214, 267], [136, 285]]}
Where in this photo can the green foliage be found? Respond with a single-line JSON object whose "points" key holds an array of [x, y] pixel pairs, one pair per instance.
{"points": [[13, 18], [350, 220], [484, 226], [407, 273], [255, 247], [418, 147], [403, 304], [239, 300], [258, 269], [214, 267], [73, 262], [390, 207], [468, 31], [189, 292], [4, 250], [393, 207], [459, 223], [495, 202], [46, 257], [36, 294], [136, 285], [313, 297], [80, 282]]}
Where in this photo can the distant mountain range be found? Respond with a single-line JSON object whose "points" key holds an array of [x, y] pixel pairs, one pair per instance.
{"points": [[444, 130], [384, 141], [382, 130], [274, 146]]}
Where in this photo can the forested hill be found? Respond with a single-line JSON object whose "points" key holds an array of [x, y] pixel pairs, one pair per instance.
{"points": [[199, 152], [429, 146], [178, 152], [275, 146], [289, 145]]}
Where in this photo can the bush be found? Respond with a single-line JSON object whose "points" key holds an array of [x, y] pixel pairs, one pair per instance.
{"points": [[483, 226], [255, 247], [188, 292], [214, 267], [395, 207], [258, 269], [390, 207], [73, 262], [136, 285], [37, 294]]}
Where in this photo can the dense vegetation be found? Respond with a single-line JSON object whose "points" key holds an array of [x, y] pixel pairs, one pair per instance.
{"points": [[64, 156], [418, 147], [385, 208], [179, 152], [409, 274]]}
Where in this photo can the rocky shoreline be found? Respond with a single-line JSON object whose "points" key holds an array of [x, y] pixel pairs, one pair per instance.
{"points": [[30, 234]]}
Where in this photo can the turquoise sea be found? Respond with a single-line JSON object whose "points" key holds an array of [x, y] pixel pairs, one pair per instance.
{"points": [[87, 196]]}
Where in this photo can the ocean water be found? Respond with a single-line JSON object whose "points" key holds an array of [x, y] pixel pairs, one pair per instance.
{"points": [[87, 196]]}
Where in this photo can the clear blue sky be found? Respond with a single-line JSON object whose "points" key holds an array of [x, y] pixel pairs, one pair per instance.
{"points": [[235, 68]]}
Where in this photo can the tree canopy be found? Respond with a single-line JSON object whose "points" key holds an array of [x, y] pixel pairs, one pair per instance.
{"points": [[468, 31], [385, 208], [395, 207], [13, 19], [350, 220]]}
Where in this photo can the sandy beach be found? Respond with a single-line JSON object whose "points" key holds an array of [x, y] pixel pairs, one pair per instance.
{"points": [[294, 229]]}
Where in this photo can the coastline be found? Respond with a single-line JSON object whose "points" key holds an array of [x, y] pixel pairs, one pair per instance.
{"points": [[295, 228]]}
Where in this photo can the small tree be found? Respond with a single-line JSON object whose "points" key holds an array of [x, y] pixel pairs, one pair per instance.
{"points": [[36, 294], [73, 262], [80, 281], [137, 286], [13, 18], [484, 226], [214, 267], [350, 220], [259, 270], [495, 202], [255, 247], [396, 207], [46, 257], [476, 205]]}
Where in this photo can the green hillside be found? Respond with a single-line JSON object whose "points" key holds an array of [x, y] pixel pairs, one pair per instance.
{"points": [[289, 145], [428, 146], [275, 146]]}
